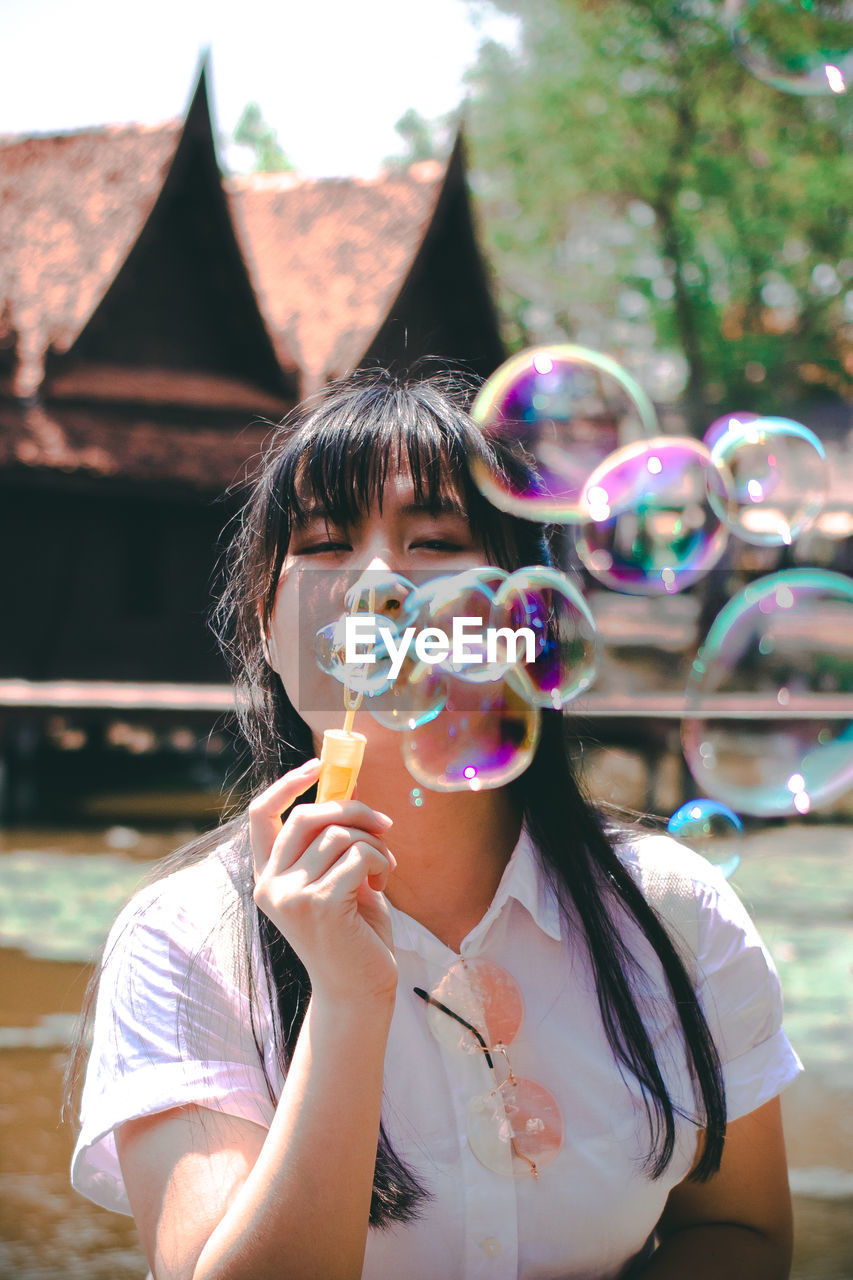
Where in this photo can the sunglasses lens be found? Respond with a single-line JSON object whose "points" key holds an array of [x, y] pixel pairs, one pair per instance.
{"points": [[485, 995], [516, 1129]]}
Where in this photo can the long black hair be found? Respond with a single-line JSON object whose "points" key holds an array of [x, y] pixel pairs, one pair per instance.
{"points": [[340, 449]]}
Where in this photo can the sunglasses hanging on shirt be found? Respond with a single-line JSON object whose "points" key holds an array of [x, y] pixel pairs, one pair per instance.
{"points": [[514, 1126]]}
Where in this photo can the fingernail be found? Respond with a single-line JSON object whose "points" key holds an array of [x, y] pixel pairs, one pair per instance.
{"points": [[310, 764], [384, 819]]}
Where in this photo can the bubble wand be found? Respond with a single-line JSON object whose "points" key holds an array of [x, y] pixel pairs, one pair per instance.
{"points": [[343, 749]]}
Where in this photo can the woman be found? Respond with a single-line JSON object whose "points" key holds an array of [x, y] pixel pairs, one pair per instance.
{"points": [[295, 1102]]}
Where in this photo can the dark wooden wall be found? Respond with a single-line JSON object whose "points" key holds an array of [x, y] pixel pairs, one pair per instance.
{"points": [[100, 587]]}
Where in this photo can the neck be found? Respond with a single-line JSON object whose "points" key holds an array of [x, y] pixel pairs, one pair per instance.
{"points": [[451, 850]]}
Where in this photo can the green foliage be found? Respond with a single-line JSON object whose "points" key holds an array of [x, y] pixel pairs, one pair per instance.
{"points": [[640, 191], [422, 140], [252, 131]]}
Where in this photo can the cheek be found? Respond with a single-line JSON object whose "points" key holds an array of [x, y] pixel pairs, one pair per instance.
{"points": [[281, 634], [296, 617]]}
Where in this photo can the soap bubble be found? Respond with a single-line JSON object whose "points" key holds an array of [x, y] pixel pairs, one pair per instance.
{"points": [[330, 646], [727, 422], [769, 480], [561, 410], [402, 705], [564, 631], [710, 828], [416, 798], [652, 529], [374, 603], [463, 595], [768, 726], [801, 47], [485, 736]]}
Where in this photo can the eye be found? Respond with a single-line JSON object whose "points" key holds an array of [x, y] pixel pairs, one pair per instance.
{"points": [[322, 547], [448, 535], [447, 545], [320, 537]]}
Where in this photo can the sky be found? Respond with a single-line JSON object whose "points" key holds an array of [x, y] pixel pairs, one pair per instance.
{"points": [[331, 76]]}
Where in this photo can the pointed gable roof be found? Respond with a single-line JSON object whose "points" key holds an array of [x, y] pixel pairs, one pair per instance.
{"points": [[120, 251], [329, 256], [144, 302], [71, 208]]}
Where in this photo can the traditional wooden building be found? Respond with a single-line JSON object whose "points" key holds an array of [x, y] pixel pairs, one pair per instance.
{"points": [[155, 318], [151, 316]]}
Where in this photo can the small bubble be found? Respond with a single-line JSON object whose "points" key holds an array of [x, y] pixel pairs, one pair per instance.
{"points": [[416, 797], [768, 480]]}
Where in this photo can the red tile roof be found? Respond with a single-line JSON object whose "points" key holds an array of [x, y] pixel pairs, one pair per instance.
{"points": [[326, 260], [329, 257], [71, 208]]}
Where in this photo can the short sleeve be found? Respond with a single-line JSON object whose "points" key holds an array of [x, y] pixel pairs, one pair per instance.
{"points": [[172, 1024], [740, 994], [733, 973]]}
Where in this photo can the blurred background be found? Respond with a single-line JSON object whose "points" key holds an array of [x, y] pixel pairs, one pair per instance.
{"points": [[205, 215]]}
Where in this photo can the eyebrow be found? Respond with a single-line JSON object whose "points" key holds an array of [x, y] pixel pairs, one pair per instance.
{"points": [[443, 507]]}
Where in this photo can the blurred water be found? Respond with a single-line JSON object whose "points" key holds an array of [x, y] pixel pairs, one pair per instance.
{"points": [[59, 906], [60, 893]]}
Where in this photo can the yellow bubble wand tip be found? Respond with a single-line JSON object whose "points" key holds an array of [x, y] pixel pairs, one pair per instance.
{"points": [[343, 749]]}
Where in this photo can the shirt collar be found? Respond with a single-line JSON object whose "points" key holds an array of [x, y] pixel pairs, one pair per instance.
{"points": [[524, 879]]}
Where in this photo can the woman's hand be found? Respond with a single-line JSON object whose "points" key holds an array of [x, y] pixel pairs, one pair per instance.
{"points": [[215, 1195], [319, 877]]}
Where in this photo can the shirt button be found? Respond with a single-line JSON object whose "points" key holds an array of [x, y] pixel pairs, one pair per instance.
{"points": [[491, 1247]]}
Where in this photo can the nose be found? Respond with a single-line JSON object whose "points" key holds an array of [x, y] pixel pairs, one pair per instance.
{"points": [[378, 590]]}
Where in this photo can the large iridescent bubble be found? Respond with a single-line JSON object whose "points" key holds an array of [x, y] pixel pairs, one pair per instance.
{"points": [[769, 480], [485, 736], [560, 410], [444, 602], [565, 635], [651, 529], [768, 726], [796, 46], [712, 829]]}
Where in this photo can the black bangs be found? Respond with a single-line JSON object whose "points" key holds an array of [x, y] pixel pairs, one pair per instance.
{"points": [[339, 456], [346, 460]]}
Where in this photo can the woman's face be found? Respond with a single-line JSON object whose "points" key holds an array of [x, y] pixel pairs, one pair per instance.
{"points": [[325, 562]]}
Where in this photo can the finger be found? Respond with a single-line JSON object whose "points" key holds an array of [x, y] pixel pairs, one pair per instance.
{"points": [[361, 863], [266, 809], [330, 845], [308, 821]]}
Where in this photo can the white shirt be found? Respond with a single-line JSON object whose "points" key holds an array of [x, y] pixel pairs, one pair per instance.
{"points": [[592, 1210]]}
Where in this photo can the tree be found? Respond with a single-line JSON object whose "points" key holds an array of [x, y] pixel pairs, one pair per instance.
{"points": [[253, 131], [422, 139], [640, 188]]}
